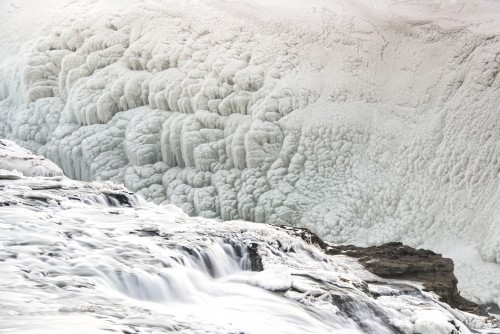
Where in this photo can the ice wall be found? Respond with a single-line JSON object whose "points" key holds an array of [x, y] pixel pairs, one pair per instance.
{"points": [[364, 122]]}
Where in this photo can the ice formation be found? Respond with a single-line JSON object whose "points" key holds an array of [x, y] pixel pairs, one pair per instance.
{"points": [[366, 122], [93, 258]]}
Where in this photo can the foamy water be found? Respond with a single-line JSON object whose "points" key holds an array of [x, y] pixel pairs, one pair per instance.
{"points": [[89, 258]]}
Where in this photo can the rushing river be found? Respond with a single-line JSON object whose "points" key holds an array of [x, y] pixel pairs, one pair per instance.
{"points": [[92, 258]]}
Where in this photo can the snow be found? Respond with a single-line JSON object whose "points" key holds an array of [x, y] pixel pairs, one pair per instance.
{"points": [[364, 121], [70, 258], [16, 161], [436, 323]]}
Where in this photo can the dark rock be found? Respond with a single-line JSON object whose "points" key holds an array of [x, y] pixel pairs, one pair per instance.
{"points": [[118, 199], [9, 176], [397, 261], [253, 252], [492, 308], [306, 235], [255, 259]]}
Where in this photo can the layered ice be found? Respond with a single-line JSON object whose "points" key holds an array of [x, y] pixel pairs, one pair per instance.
{"points": [[94, 258], [366, 122]]}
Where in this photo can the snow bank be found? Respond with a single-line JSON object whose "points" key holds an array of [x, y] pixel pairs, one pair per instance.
{"points": [[364, 122], [16, 162]]}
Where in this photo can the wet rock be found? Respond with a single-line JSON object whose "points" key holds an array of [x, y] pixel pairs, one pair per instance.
{"points": [[492, 308], [118, 199], [252, 250], [9, 176], [255, 259], [395, 260]]}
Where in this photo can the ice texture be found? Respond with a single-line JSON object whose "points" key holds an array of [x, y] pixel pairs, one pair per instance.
{"points": [[366, 122]]}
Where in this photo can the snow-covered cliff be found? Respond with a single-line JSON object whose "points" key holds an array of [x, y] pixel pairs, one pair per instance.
{"points": [[366, 122]]}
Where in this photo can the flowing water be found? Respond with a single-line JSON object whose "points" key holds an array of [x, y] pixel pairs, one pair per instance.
{"points": [[91, 258]]}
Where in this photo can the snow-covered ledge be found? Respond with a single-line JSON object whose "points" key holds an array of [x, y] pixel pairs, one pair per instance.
{"points": [[19, 161]]}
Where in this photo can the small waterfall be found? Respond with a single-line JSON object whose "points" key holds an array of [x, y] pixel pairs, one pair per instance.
{"points": [[185, 272], [112, 199], [74, 253]]}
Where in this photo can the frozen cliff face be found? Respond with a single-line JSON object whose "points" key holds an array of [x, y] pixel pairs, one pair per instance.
{"points": [[364, 122]]}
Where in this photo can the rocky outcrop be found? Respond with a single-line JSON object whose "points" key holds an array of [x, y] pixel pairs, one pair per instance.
{"points": [[395, 260], [398, 261]]}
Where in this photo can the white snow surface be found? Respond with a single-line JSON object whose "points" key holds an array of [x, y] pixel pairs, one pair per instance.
{"points": [[22, 162], [84, 257], [365, 121]]}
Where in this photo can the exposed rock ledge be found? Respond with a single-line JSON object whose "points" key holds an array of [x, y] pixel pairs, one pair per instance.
{"points": [[395, 260]]}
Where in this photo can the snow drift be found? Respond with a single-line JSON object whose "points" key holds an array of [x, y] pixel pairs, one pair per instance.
{"points": [[364, 122]]}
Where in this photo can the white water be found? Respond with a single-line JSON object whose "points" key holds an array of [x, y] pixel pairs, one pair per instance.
{"points": [[92, 258], [365, 121]]}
